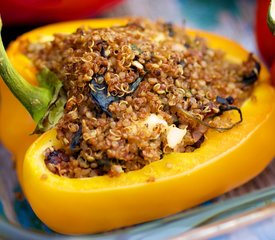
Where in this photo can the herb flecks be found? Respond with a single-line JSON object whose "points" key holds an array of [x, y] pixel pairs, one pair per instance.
{"points": [[102, 52], [103, 98], [225, 106], [134, 47], [135, 84], [100, 94], [76, 138], [225, 101], [56, 156]]}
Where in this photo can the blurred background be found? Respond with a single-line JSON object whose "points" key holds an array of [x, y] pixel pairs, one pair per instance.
{"points": [[233, 18], [241, 20]]}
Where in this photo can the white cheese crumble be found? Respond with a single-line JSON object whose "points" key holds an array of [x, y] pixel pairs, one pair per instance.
{"points": [[174, 134], [154, 120]]}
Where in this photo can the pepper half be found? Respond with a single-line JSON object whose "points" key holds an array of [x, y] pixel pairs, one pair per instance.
{"points": [[16, 129], [179, 181]]}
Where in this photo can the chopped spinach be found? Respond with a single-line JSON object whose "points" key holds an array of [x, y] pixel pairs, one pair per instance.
{"points": [[101, 96], [222, 100], [230, 100], [102, 52], [76, 138], [134, 47], [225, 106], [135, 84]]}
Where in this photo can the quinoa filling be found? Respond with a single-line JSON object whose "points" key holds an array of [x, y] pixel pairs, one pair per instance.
{"points": [[137, 92]]}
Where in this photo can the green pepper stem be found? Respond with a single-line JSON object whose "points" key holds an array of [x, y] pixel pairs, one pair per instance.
{"points": [[35, 99]]}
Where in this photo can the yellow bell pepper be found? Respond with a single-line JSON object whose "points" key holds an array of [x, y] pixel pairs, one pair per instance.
{"points": [[16, 125], [177, 182], [16, 129]]}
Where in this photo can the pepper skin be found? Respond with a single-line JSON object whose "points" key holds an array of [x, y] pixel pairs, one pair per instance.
{"points": [[265, 39], [16, 129], [16, 125], [179, 181], [46, 11]]}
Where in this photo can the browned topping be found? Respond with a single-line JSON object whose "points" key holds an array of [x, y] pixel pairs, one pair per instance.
{"points": [[135, 93]]}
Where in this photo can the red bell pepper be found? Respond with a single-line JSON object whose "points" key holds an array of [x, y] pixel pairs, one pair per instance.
{"points": [[265, 39], [22, 12]]}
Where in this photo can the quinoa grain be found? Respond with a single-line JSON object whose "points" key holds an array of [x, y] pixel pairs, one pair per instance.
{"points": [[178, 72]]}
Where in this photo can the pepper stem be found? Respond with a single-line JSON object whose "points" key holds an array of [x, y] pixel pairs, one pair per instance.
{"points": [[35, 99]]}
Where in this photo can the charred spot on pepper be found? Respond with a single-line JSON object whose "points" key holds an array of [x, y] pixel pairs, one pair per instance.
{"points": [[253, 75]]}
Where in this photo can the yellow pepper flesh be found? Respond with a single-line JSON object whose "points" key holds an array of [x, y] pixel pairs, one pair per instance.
{"points": [[179, 181], [16, 125]]}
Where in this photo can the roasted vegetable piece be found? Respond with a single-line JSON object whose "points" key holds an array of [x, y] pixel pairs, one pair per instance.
{"points": [[179, 181]]}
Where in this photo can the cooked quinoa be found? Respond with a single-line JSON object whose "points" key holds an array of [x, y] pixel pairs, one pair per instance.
{"points": [[135, 93]]}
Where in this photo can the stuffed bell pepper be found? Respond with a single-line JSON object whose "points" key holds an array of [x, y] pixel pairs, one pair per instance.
{"points": [[138, 120]]}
